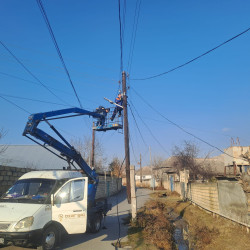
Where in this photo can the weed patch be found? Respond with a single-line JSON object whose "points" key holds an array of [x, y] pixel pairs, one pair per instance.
{"points": [[153, 224]]}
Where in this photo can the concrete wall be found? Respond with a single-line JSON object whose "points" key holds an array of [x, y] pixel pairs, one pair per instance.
{"points": [[233, 201], [226, 198], [204, 195], [167, 185], [9, 175]]}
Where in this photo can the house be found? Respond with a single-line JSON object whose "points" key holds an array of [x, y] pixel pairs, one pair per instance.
{"points": [[234, 162]]}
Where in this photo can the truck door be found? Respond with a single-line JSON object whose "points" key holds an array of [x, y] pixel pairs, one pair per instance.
{"points": [[70, 205]]}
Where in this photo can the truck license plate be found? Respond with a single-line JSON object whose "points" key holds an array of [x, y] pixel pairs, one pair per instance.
{"points": [[1, 240]]}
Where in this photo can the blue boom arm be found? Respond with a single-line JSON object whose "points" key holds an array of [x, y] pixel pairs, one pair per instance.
{"points": [[65, 149]]}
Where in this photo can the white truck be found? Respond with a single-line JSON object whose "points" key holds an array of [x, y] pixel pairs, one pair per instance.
{"points": [[43, 205]]}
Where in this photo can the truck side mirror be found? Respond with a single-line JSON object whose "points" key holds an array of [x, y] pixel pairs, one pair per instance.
{"points": [[52, 200]]}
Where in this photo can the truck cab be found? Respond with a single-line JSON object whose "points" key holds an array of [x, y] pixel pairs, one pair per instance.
{"points": [[42, 205]]}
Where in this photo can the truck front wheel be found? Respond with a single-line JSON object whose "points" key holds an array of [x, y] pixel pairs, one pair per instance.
{"points": [[96, 223], [50, 238]]}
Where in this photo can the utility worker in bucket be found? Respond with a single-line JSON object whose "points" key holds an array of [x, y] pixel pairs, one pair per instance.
{"points": [[119, 101], [103, 111]]}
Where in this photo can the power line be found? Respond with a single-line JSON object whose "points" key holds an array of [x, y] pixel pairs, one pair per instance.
{"points": [[30, 99], [120, 28], [44, 52], [14, 104], [178, 126], [124, 18], [149, 130], [138, 127], [40, 5], [134, 32], [132, 146], [192, 60], [29, 81], [59, 68], [27, 70]]}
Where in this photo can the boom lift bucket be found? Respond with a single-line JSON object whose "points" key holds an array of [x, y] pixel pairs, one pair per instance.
{"points": [[107, 123]]}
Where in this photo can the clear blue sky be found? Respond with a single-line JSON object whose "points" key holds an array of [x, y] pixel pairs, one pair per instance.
{"points": [[209, 97]]}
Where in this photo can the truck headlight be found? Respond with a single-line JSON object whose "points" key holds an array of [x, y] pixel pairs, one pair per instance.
{"points": [[24, 223]]}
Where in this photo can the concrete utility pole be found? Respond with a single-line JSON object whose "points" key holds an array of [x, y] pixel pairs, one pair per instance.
{"points": [[93, 148], [140, 170], [133, 193], [152, 175], [126, 136]]}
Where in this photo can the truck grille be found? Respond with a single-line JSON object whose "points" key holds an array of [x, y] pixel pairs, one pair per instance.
{"points": [[4, 226]]}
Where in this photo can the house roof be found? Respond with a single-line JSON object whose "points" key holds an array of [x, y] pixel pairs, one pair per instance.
{"points": [[30, 156]]}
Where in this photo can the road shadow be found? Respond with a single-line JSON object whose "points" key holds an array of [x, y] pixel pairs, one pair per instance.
{"points": [[113, 223]]}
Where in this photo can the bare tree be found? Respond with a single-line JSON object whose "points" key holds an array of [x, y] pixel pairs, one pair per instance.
{"points": [[84, 147], [158, 168], [116, 167], [186, 157]]}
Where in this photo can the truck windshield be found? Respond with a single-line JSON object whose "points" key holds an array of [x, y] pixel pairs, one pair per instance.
{"points": [[29, 190]]}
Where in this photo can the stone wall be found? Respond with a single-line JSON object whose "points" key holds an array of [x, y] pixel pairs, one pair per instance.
{"points": [[9, 175]]}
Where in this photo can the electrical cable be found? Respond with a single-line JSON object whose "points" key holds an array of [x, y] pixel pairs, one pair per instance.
{"points": [[138, 127], [192, 60], [150, 131], [59, 68], [182, 129], [132, 146], [124, 19], [134, 32], [34, 100], [59, 90], [121, 46], [44, 52], [27, 70], [40, 5], [14, 104]]}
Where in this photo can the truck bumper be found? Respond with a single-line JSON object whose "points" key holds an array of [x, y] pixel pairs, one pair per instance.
{"points": [[21, 238]]}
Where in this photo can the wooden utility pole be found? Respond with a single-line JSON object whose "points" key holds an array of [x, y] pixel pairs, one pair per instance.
{"points": [[126, 136], [93, 148], [140, 170]]}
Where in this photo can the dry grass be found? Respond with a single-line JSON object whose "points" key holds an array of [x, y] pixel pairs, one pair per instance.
{"points": [[208, 232], [152, 228]]}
